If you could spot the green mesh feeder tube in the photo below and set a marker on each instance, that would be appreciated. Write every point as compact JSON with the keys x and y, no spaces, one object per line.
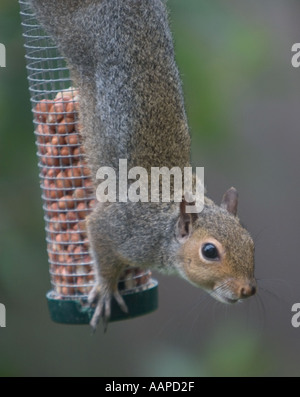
{"x":67,"y":189}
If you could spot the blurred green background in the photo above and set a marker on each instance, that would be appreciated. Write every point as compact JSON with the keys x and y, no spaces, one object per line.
{"x":243,"y":99}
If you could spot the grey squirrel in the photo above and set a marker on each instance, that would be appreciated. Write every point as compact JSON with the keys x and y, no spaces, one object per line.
{"x":121,"y":56}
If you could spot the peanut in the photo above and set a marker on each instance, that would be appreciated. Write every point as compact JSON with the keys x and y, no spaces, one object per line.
{"x":62,"y":182}
{"x":42,"y":109}
{"x":75,"y":174}
{"x":72,"y":139}
{"x":58,"y":140}
{"x":66,"y":202}
{"x":82,"y":210}
{"x":62,"y":238}
{"x":66,"y":126}
{"x":56,"y":114}
{"x":79,"y":194}
{"x":71,"y":217}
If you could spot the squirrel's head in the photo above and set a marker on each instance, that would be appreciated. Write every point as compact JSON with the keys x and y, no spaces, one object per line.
{"x":217,"y":252}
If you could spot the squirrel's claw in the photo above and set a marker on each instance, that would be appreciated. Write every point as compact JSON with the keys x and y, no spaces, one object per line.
{"x":96,"y":316}
{"x":102,"y":309}
{"x":118,"y":297}
{"x":103,"y":306}
{"x":94,"y":295}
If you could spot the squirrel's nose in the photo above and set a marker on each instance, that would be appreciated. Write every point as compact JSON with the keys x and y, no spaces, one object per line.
{"x":248,"y":290}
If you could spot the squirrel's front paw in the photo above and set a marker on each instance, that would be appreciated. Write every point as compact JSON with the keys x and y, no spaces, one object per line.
{"x":102,"y":299}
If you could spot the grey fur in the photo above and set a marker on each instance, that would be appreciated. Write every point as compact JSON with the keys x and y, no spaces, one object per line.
{"x":122,"y":60}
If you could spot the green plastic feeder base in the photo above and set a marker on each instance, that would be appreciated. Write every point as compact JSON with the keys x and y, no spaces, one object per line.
{"x":78,"y":312}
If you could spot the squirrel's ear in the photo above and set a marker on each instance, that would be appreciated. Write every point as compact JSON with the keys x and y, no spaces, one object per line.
{"x":184,"y":226}
{"x":230,"y":201}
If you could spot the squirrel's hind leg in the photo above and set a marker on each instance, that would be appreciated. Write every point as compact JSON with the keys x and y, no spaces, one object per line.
{"x":108,"y":269}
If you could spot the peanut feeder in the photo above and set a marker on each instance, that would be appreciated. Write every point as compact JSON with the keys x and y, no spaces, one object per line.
{"x":67,"y":191}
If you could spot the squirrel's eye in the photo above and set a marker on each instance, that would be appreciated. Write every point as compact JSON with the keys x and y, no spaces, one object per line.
{"x":210,"y":252}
